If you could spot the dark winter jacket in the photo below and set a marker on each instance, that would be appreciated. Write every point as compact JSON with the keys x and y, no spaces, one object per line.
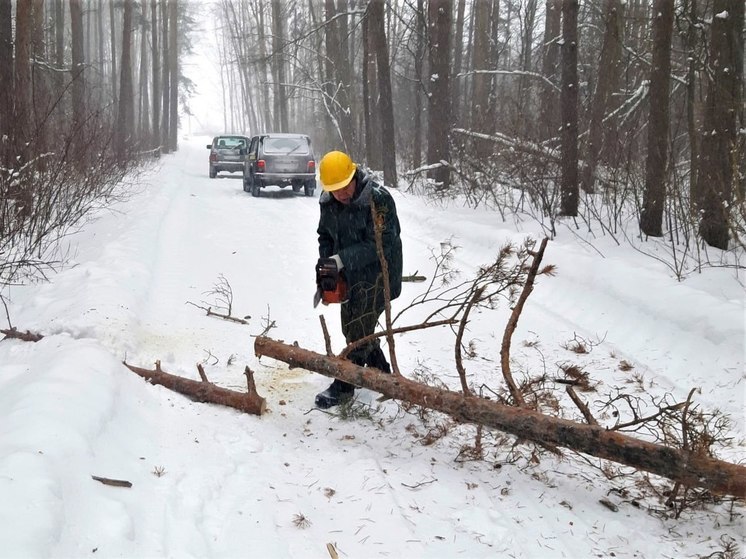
{"x":347,"y":230}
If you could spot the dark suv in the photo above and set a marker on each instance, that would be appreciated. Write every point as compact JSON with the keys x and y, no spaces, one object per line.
{"x":227,"y":153}
{"x":282,"y":160}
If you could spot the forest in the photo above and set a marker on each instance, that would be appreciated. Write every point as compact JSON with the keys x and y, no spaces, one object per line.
{"x":618,"y":118}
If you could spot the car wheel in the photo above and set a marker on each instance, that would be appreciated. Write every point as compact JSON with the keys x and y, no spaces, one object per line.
{"x":255,"y":188}
{"x":213,"y":172}
{"x":310,"y":187}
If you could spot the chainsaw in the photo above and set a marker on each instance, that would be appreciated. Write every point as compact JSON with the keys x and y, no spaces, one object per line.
{"x":331,"y":286}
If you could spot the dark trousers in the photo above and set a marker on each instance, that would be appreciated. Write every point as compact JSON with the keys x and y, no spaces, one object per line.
{"x":359,"y":319}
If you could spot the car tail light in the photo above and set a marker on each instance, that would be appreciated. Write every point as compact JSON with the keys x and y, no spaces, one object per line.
{"x":312,"y":166}
{"x":213,"y":156}
{"x":261,"y":165}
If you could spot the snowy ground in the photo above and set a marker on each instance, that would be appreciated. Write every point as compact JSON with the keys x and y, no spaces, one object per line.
{"x":288,"y":483}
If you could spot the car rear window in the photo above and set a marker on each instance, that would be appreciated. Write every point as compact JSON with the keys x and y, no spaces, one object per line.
{"x":228,"y":142}
{"x":286,"y":145}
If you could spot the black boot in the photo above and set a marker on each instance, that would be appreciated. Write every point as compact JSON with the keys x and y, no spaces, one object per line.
{"x":337,"y":393}
{"x":377,"y":359}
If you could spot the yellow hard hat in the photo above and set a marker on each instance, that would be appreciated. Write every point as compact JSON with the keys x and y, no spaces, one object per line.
{"x":336,"y":170}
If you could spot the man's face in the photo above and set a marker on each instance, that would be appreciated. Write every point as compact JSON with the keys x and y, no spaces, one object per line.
{"x":344,"y":195}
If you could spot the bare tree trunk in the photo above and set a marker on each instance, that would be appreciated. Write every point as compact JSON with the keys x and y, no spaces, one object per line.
{"x":59,"y":52}
{"x":78,"y":65}
{"x":278,"y":67}
{"x":569,"y":109}
{"x":690,"y":11}
{"x":439,"y":109}
{"x":420,"y":30}
{"x":386,"y":114}
{"x":99,"y":83}
{"x":687,"y":467}
{"x":114,"y":73}
{"x":166,"y":85}
{"x":457,"y":108}
{"x":372,"y":124}
{"x":651,"y":219}
{"x":144,"y":98}
{"x":40,"y":86}
{"x":482,"y":82}
{"x":156,"y":56}
{"x":22,"y":62}
{"x":263,"y":73}
{"x":527,"y":123}
{"x":552,"y":23}
{"x":126,"y":113}
{"x":173,"y":84}
{"x":6,"y":65}
{"x":608,"y":71}
{"x":336,"y":80}
{"x":719,"y":163}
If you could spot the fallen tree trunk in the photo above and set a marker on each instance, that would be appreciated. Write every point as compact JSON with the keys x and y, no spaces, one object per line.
{"x":679,"y":465}
{"x":205,"y":391}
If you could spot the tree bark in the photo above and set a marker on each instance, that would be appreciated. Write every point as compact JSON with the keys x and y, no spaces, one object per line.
{"x":608,"y":78}
{"x":719,"y":157}
{"x":126,"y":112}
{"x":419,"y":56}
{"x":173,"y":84}
{"x":552,"y":22}
{"x":156,"y":57}
{"x":480,"y":98}
{"x":377,"y":31}
{"x":679,"y":465}
{"x":372,"y":124}
{"x":569,"y":109}
{"x":6,"y":64}
{"x":204,"y":391}
{"x":439,"y":108}
{"x":78,"y":63}
{"x":651,"y":219}
{"x":165,"y":80}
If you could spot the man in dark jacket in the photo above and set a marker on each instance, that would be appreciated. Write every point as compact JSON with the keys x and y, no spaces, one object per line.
{"x":347,"y":235}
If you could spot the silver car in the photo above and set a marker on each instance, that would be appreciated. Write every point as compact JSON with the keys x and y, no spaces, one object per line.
{"x":227,"y":153}
{"x":282,"y":160}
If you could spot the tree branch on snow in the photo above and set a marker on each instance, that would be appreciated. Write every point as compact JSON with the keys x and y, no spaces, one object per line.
{"x":26,"y":336}
{"x":223,"y":293}
{"x":205,"y":391}
{"x":210,"y":312}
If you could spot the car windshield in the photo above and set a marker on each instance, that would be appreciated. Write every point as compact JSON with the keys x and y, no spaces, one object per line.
{"x":286,"y":145}
{"x":229,"y":142}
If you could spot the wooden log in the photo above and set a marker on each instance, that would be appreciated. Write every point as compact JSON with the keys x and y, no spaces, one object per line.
{"x":679,"y":465}
{"x":202,"y":391}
